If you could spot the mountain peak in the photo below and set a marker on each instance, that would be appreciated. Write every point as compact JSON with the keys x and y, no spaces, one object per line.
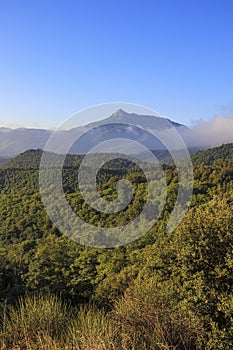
{"x":120,"y":113}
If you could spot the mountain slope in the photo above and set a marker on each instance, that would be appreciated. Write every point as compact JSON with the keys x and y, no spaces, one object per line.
{"x":15,"y":141}
{"x":209,"y":156}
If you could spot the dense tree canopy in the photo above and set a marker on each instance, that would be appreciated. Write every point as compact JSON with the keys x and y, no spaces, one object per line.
{"x":191,"y":269}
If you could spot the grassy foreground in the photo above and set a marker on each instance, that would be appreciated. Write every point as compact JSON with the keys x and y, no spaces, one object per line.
{"x":45,"y":322}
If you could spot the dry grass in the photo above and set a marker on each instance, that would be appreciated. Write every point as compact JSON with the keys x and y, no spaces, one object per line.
{"x":140,"y":321}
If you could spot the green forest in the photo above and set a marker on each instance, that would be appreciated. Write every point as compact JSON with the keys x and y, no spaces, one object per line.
{"x":169,"y":291}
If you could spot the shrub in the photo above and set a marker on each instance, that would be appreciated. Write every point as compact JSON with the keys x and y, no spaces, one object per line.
{"x":148,"y":318}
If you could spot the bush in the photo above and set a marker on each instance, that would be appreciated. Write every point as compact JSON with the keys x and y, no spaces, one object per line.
{"x":148,"y":318}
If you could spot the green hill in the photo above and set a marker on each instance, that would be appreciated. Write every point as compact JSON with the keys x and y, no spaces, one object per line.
{"x":161,"y":291}
{"x":207,"y":157}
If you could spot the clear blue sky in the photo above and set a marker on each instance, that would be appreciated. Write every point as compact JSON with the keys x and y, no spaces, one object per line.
{"x":57,"y":57}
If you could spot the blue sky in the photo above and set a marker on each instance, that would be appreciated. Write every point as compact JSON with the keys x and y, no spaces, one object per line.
{"x":58,"y":57}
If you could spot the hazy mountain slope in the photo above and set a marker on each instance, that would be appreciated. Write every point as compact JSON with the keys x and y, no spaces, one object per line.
{"x":4,"y":159}
{"x":15,"y":141}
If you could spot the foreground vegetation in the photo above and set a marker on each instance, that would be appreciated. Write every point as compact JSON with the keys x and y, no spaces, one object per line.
{"x":163,"y":291}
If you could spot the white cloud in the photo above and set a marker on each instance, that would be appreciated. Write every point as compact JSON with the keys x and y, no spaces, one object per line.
{"x":215,"y":132}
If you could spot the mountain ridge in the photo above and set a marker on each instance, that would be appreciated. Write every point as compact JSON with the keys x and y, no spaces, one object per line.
{"x":15,"y":141}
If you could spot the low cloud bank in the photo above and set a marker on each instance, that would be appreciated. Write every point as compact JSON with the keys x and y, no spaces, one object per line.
{"x":211,"y":133}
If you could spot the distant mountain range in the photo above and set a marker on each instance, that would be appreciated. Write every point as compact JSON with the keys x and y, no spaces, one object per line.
{"x":15,"y":141}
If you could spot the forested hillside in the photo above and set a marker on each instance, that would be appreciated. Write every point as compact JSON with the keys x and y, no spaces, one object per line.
{"x":162,"y":291}
{"x":209,"y":156}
